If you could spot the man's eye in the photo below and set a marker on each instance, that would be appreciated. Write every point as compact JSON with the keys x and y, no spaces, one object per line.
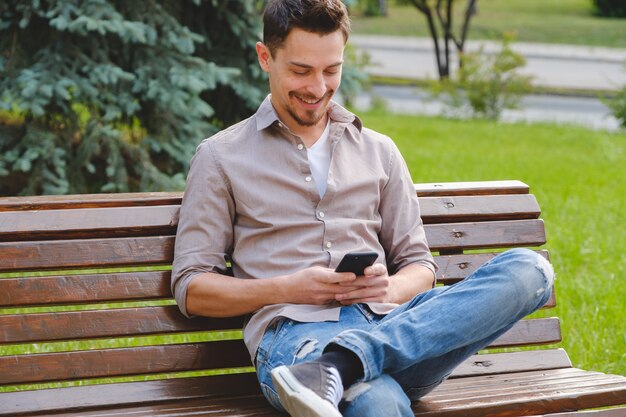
{"x":300,"y":72}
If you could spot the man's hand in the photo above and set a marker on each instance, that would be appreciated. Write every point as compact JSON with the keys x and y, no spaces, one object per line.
{"x":377,"y":286}
{"x":373,"y":286}
{"x":318,"y":285}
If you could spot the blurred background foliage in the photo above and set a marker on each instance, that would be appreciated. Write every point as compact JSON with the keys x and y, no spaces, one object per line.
{"x":113,"y":96}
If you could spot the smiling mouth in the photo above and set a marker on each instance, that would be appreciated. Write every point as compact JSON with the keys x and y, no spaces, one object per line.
{"x":309,"y":100}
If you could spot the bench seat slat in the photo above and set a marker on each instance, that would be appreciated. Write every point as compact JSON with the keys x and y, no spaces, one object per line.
{"x":472,"y":188}
{"x":19,"y":369}
{"x":46,"y":367}
{"x":478,"y":208}
{"x":485,"y":235}
{"x":511,"y":362}
{"x":128,"y":286}
{"x":129,"y":251}
{"x":613,"y":412}
{"x":28,"y":328}
{"x":174,"y":198}
{"x":155,"y":250}
{"x":195,"y":396}
{"x":81,"y":289}
{"x":163,"y":219}
{"x":496,"y":386}
{"x":80,"y":398}
{"x":528,"y":398}
{"x":60,"y":202}
{"x":89,"y":223}
{"x":453,"y":268}
{"x":138,"y":393}
{"x":125,"y":322}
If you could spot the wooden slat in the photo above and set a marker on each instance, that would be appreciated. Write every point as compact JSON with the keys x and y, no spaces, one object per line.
{"x":531,"y":332}
{"x":139,"y":393}
{"x":45,"y":367}
{"x":174,"y":198}
{"x":450,"y":209}
{"x":150,"y":285}
{"x":485,"y":235}
{"x":510,"y":362}
{"x":613,"y":412}
{"x":516,"y":397}
{"x":76,"y":399}
{"x":86,"y":253}
{"x":499,"y":384}
{"x":471,"y":188}
{"x":27,"y":328}
{"x":163,"y":219}
{"x":249,"y":406}
{"x":81,"y":289}
{"x":81,"y":253}
{"x":90,"y":200}
{"x":88,"y":223}
{"x":504,"y":396}
{"x":453,"y":268}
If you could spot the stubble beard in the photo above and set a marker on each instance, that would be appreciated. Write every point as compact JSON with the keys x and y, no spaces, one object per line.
{"x":311,"y":118}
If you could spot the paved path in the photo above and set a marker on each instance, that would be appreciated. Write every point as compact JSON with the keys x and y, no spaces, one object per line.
{"x":562,"y":66}
{"x":584,"y":111}
{"x":556,"y":66}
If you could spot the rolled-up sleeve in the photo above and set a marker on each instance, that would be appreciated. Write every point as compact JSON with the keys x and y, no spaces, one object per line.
{"x":205,"y":232}
{"x":402,"y":232}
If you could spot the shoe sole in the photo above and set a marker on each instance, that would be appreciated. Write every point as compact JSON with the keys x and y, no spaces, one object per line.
{"x":298,"y":400}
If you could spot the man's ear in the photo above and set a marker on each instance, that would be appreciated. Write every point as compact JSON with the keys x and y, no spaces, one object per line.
{"x":264,"y":56}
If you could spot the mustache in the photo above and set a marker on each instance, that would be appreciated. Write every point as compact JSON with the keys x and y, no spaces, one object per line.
{"x":310,"y":97}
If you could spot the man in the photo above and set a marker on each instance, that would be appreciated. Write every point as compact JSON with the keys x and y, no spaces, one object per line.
{"x":283,"y":196}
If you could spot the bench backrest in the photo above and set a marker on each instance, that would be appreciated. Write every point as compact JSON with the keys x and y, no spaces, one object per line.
{"x":85,"y":287}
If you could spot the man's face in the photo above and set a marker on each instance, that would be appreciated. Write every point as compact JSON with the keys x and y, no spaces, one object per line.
{"x":304,"y":75}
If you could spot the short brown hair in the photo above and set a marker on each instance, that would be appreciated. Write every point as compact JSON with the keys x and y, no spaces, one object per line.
{"x":317,"y":16}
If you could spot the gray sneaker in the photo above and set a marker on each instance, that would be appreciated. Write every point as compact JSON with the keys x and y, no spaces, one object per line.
{"x":309,"y":389}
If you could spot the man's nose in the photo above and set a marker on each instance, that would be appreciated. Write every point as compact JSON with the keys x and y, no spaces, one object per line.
{"x":317,"y":86}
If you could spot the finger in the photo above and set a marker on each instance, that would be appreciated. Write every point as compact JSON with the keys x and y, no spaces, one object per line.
{"x":376,"y":269}
{"x":360,"y":294}
{"x":340,"y":277}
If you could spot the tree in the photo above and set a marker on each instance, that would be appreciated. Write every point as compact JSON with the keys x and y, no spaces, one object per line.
{"x":440,"y":20}
{"x":108,"y":95}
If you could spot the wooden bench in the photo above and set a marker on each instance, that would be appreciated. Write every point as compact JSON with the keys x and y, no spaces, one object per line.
{"x":85,"y":299}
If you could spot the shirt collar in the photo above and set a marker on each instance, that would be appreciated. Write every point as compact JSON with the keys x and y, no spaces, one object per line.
{"x":266,"y":115}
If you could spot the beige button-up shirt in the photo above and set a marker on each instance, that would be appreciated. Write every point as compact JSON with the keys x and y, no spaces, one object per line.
{"x":251,"y":199}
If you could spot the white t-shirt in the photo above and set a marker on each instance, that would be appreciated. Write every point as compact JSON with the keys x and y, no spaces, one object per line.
{"x":319,"y":159}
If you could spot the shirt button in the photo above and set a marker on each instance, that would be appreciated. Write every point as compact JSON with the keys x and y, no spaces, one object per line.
{"x":308,"y":179}
{"x":300,"y":146}
{"x":329,"y":245}
{"x":322,"y":214}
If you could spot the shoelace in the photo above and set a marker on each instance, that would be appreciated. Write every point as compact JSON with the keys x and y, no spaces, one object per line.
{"x":334,"y":387}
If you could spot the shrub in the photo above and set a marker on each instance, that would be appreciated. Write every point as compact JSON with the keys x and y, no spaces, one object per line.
{"x":617,"y":105}
{"x":487,"y":84}
{"x":610,"y":8}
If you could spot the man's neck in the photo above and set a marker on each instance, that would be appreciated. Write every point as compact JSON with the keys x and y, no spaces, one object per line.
{"x":308,"y":134}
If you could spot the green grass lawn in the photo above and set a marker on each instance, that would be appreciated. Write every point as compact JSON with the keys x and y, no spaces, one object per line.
{"x":545,"y":21}
{"x":579,"y":179}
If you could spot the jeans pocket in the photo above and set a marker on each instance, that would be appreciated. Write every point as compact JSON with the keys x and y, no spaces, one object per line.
{"x":271,"y":396}
{"x":268,"y":339}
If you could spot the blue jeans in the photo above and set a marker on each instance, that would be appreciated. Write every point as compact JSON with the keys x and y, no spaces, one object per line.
{"x":412,"y":350}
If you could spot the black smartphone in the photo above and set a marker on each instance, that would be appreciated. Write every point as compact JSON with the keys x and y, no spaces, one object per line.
{"x":356,"y":262}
